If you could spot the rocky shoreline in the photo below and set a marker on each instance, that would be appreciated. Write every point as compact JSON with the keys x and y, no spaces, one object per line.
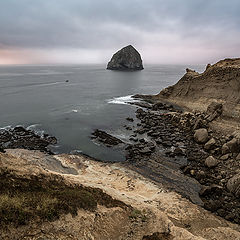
{"x":166,"y":143}
{"x":188,"y":143}
{"x":166,"y":139}
{"x":176,"y":150}
{"x":20,"y":137}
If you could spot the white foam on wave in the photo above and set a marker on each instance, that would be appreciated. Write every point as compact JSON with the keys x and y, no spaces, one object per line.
{"x":6,"y":127}
{"x":36,"y":129}
{"x":123,"y":100}
{"x":75,"y":110}
{"x":33,"y":126}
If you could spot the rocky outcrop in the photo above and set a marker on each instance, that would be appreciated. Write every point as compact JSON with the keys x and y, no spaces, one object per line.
{"x":20,"y":137}
{"x":105,"y":138}
{"x":219,"y":83}
{"x":126,"y":59}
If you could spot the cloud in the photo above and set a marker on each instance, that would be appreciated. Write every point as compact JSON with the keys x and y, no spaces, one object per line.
{"x":167,"y":28}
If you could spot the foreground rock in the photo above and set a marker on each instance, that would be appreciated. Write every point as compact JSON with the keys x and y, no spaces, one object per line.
{"x":126,"y":59}
{"x":201,"y":135}
{"x":120,"y":203}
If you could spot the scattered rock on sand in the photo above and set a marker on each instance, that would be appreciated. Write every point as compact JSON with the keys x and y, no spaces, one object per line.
{"x":211,"y":162}
{"x":201,"y":135}
{"x":233,"y":185}
{"x":233,"y":145}
{"x":210,"y":144}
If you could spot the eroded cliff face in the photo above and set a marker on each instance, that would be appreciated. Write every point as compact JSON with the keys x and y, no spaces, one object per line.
{"x":126,"y":59}
{"x":219,"y":82}
{"x":128,"y":205}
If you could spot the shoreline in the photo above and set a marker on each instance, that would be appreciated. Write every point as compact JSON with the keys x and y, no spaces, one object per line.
{"x":159,"y":164}
{"x":166,"y":163}
{"x":161,"y":149}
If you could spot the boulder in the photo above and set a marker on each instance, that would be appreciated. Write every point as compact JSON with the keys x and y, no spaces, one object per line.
{"x":211,"y":162}
{"x":128,"y":58}
{"x":210,"y":144}
{"x":233,"y":185}
{"x":214,"y":110}
{"x":225,"y":149}
{"x":201,"y":135}
{"x":231,"y":146}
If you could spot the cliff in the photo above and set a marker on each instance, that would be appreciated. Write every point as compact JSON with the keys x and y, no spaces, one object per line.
{"x":219,"y":82}
{"x":126,"y":59}
{"x":74,"y":196}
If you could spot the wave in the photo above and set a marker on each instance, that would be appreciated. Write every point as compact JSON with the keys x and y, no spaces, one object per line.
{"x":123,"y":100}
{"x":6,"y":127}
{"x":33,"y":126}
{"x":36,"y":129}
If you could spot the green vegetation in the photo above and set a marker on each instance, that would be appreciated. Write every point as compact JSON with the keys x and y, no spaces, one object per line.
{"x":137,"y":214}
{"x":45,"y":198}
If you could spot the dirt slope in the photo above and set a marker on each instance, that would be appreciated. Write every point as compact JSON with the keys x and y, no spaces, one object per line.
{"x":154,"y":213}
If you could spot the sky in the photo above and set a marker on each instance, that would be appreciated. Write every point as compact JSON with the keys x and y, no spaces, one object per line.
{"x":90,"y":31}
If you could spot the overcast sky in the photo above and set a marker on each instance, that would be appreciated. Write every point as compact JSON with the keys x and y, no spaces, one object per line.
{"x":89,"y":31}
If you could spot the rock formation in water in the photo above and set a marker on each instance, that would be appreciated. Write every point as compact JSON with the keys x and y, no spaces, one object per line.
{"x":128,"y":58}
{"x":219,"y":82}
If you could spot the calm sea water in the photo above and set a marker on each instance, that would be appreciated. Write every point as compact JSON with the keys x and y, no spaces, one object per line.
{"x":40,"y":98}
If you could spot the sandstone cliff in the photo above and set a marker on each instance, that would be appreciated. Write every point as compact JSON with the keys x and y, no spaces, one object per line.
{"x":219,"y":82}
{"x":126,"y":59}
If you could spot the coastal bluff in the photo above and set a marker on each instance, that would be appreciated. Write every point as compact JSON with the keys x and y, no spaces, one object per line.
{"x":95,"y":201}
{"x":218,"y":83}
{"x":126,"y":59}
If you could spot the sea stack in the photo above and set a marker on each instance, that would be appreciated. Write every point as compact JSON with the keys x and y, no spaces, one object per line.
{"x":126,"y":59}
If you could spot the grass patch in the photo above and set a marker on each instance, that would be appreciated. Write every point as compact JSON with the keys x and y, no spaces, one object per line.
{"x":137,"y":214}
{"x":45,"y":198}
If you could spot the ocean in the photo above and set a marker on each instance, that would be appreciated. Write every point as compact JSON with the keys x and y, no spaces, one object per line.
{"x":70,"y":101}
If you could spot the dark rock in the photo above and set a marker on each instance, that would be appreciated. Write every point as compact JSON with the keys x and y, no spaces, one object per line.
{"x":233,"y":145}
{"x":211,"y":162}
{"x":214,"y":110}
{"x":178,"y":151}
{"x":19,"y":137}
{"x":129,"y":119}
{"x":208,"y":66}
{"x":206,"y":190}
{"x":210,"y":144}
{"x":106,"y":138}
{"x":201,"y":135}
{"x":233,"y":185}
{"x":128,"y":58}
{"x":146,"y":151}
